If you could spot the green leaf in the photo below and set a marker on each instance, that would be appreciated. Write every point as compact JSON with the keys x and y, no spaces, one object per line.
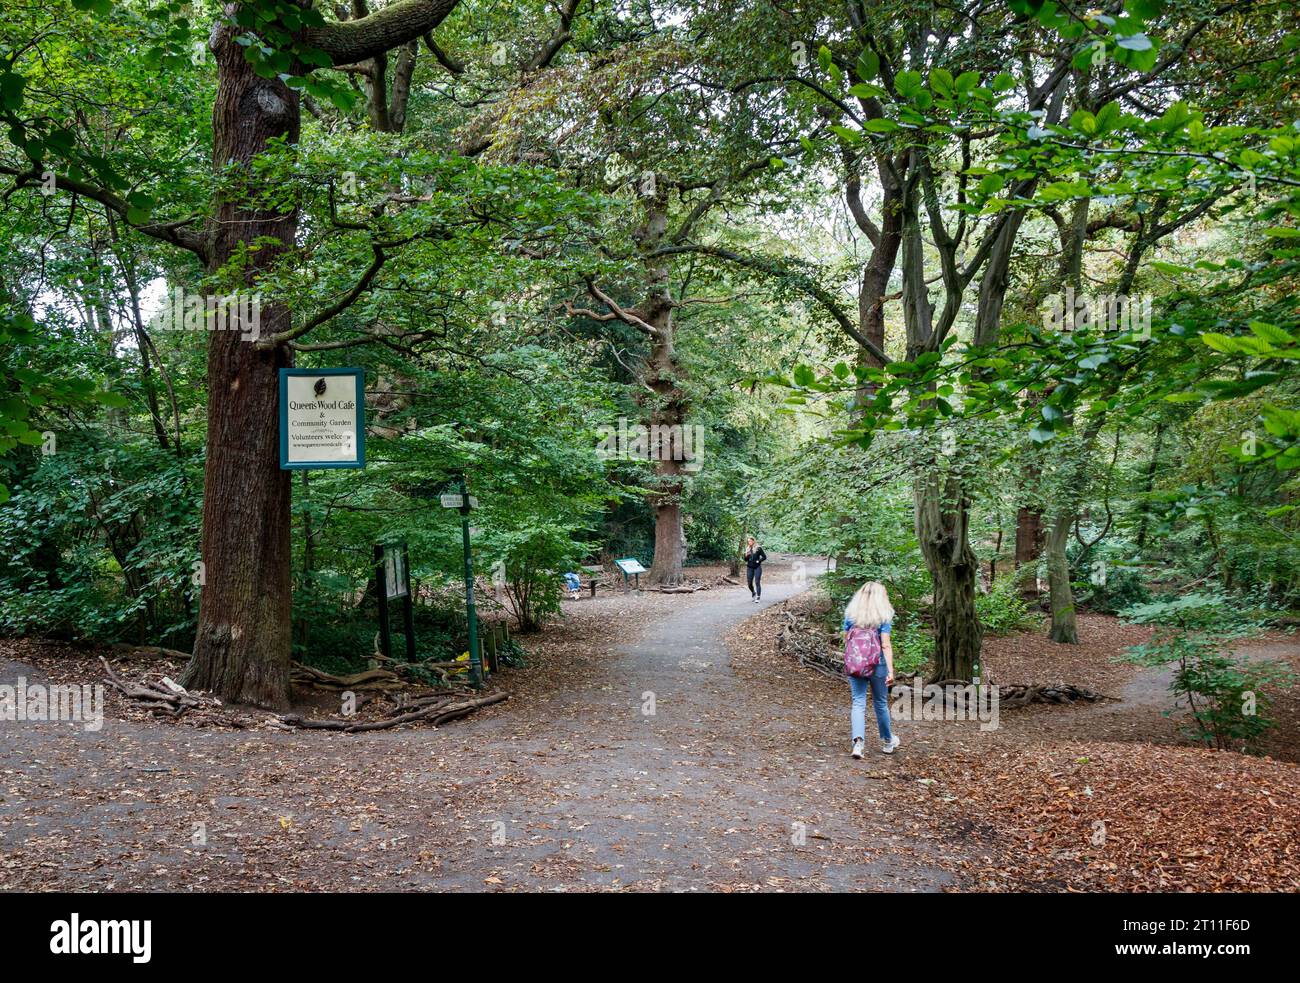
{"x":864,"y":90}
{"x":908,"y":83}
{"x":1220,"y":342}
{"x":1135,"y":42}
{"x":1271,"y":333}
{"x":11,"y":91}
{"x":868,"y":65}
{"x":1040,"y":435}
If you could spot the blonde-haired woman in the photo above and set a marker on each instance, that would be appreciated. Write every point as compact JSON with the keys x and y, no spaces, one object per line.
{"x":869,"y":609}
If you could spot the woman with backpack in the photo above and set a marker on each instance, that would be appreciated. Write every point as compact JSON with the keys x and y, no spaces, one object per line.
{"x":869,"y":663}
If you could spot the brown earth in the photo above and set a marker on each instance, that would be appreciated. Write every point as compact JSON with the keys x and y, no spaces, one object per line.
{"x":638,"y":753}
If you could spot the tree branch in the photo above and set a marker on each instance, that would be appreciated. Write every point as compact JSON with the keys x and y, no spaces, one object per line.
{"x":803,"y":281}
{"x":175,"y":233}
{"x":351,"y":41}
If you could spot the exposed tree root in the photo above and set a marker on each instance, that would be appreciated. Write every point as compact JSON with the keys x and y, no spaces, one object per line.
{"x":156,"y":695}
{"x":436,"y":711}
{"x":813,"y":649}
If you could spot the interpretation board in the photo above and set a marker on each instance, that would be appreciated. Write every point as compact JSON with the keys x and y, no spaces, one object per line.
{"x":322,"y":418}
{"x":395,"y":572}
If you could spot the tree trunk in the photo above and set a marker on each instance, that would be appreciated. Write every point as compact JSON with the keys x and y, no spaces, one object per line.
{"x":1064,"y":626}
{"x":1148,"y":483}
{"x":667,"y":424}
{"x":670,"y":544}
{"x":941,"y":510}
{"x":1029,"y":535}
{"x":942,"y":514}
{"x":667,"y":409}
{"x":1029,"y":546}
{"x":242,"y":647}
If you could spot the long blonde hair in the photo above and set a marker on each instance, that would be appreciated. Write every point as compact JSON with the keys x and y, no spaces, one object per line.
{"x":869,"y":607}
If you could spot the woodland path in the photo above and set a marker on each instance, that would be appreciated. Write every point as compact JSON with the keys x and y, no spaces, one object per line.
{"x":571,"y":787}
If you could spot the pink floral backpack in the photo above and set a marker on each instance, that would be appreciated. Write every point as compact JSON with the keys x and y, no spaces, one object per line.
{"x":862,"y":652}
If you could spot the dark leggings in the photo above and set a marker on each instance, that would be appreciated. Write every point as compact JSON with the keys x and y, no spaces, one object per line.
{"x":754,"y":580}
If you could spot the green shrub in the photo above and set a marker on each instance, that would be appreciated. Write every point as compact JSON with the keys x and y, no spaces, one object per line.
{"x":913,"y":646}
{"x":1002,"y":610}
{"x":1224,"y":694}
{"x":530,"y":564}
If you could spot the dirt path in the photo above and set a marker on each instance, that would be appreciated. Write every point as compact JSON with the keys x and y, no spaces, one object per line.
{"x":570,"y":786}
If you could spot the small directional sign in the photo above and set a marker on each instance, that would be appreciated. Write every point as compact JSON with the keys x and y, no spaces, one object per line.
{"x":457,"y":501}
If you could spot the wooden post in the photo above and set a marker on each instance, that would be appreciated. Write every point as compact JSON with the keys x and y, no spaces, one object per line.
{"x":487,"y":640}
{"x":408,"y":606}
{"x":381,"y":593}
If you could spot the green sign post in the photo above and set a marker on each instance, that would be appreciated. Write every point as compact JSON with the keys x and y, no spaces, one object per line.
{"x":464,"y":502}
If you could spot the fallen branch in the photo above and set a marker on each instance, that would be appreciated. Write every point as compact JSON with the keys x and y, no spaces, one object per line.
{"x":151,"y":652}
{"x":436,"y":713}
{"x":370,"y":679}
{"x":176,"y":700}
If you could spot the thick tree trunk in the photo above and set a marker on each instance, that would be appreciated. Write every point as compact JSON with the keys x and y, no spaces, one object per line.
{"x":667,"y":425}
{"x":941,"y":509}
{"x":242,"y":648}
{"x":670,"y":543}
{"x":1029,"y":535}
{"x":667,"y":402}
{"x":1029,"y":546}
{"x":942,"y":514}
{"x":1064,"y":626}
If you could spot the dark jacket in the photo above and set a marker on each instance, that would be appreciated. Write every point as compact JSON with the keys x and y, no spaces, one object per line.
{"x":755,"y":558}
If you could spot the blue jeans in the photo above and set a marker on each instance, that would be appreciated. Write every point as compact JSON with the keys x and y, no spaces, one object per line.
{"x":879,"y":702}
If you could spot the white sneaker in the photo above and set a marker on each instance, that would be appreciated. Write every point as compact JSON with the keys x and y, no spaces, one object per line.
{"x":857,"y":747}
{"x":890,"y":746}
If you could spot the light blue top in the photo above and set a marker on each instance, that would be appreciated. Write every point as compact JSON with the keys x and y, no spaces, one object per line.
{"x":884,"y":629}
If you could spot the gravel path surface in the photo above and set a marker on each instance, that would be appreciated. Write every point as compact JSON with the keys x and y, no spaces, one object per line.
{"x":643,"y":763}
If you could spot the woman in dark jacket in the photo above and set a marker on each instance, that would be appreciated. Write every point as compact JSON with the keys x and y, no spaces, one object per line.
{"x":754,"y":558}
